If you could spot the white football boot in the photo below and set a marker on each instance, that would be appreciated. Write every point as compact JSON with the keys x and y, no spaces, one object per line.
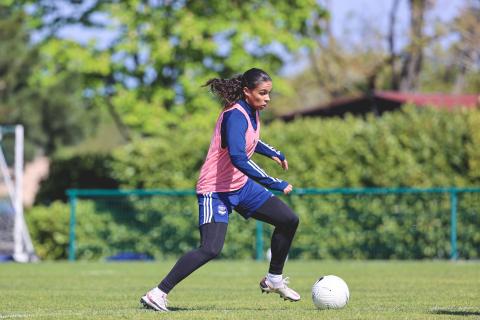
{"x":282,"y":289}
{"x":155,"y":299}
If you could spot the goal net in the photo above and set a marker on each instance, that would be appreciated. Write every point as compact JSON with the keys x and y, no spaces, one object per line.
{"x":15,"y":242}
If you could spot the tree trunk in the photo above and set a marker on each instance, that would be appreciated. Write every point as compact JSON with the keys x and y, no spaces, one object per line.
{"x":391,"y":45}
{"x":414,"y":55}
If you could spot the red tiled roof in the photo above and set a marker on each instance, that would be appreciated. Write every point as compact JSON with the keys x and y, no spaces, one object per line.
{"x":386,"y":101}
{"x":440,"y":100}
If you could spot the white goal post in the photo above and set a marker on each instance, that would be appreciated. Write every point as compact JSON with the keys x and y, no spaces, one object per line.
{"x":15,"y":239}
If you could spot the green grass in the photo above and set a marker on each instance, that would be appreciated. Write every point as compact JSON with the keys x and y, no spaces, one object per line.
{"x":229,"y":290}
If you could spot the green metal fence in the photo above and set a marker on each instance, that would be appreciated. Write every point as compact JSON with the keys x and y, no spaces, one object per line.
{"x":427,"y":218}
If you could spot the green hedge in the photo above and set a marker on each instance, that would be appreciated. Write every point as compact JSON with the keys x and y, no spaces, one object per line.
{"x":49,"y":228}
{"x":414,"y":147}
{"x":381,"y":226}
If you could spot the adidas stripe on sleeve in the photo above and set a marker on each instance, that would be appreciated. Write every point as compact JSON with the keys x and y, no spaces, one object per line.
{"x":268,"y":151}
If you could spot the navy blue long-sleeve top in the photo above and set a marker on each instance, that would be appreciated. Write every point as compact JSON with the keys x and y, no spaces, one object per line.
{"x":234,"y":127}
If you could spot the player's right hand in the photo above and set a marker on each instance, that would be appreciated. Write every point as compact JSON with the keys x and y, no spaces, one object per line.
{"x":288,"y":189}
{"x":283,"y":164}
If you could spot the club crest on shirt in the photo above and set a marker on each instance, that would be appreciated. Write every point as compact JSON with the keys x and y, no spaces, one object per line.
{"x":222,"y":210}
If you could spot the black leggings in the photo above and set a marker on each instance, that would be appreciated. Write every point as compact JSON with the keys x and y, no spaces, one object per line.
{"x":273,"y":211}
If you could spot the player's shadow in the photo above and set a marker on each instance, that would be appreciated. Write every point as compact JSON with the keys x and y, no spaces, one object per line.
{"x":456,"y":312}
{"x":169,"y":308}
{"x":209,"y":308}
{"x":179,"y":309}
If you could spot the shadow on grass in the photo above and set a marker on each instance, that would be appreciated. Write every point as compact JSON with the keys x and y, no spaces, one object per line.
{"x":456,"y":312}
{"x":206,"y":309}
{"x":218,"y":309}
{"x":179,"y":309}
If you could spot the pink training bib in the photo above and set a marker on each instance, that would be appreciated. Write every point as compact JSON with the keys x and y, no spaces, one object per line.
{"x":218,"y":174}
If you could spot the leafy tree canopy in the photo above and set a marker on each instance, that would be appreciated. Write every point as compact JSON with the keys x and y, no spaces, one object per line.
{"x":50,"y":107}
{"x":149,"y":76}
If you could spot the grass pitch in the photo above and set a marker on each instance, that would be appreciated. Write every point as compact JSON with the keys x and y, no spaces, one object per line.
{"x":229,"y":290}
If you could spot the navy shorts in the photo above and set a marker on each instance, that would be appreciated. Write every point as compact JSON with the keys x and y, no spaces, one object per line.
{"x":217,"y":206}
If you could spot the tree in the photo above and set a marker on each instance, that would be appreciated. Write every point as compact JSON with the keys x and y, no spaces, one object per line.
{"x":336,"y":68}
{"x":453,"y":65}
{"x":50,"y":111}
{"x":466,"y":49}
{"x":412,"y":64}
{"x":163,"y":51}
{"x":342,"y":67}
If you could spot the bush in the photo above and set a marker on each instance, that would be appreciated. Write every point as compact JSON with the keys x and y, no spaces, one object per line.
{"x":49,"y":226}
{"x":413,"y":147}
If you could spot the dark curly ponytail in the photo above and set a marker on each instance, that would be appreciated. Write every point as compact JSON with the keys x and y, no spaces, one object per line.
{"x":231,"y":90}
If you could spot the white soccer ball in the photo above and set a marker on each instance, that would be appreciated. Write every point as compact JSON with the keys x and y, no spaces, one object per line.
{"x":330,"y":292}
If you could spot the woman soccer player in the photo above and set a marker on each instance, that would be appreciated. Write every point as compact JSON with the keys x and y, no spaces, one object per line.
{"x":230,"y":180}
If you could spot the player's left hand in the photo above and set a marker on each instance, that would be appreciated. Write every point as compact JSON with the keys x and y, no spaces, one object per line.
{"x":283,"y":164}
